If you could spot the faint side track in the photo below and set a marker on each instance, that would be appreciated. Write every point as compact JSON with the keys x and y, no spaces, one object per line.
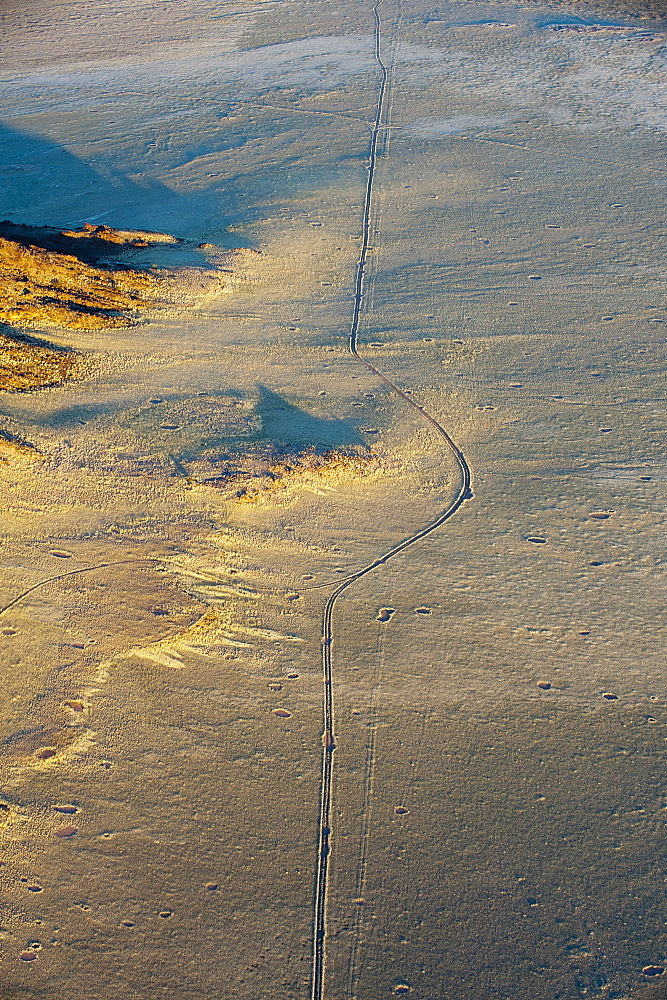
{"x":71,"y":572}
{"x":366,"y":816}
{"x":463,"y":493}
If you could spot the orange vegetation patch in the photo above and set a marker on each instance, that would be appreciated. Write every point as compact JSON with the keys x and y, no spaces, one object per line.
{"x":28,"y":363}
{"x":258,"y":479}
{"x":63,"y":287}
{"x":68,"y":279}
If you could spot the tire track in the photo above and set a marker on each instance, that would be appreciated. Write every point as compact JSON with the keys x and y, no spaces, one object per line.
{"x":366,"y":816}
{"x":463,"y":493}
{"x":71,"y":572}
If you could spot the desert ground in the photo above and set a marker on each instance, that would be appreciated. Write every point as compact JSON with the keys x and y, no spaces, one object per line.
{"x":200,"y":482}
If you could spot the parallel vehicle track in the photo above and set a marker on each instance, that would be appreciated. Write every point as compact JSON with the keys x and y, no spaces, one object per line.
{"x":463,"y":493}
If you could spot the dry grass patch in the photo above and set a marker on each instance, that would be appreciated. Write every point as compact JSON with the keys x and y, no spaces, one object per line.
{"x":274,"y":479}
{"x":28,"y":363}
{"x":50,"y":277}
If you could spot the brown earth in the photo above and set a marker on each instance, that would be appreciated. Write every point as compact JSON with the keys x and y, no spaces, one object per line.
{"x":66,"y":279}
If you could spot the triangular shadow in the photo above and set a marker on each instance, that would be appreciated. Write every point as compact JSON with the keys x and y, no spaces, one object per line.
{"x":289,"y":428}
{"x":37,"y":173}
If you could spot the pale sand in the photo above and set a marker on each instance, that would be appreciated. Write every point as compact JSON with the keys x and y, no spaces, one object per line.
{"x":498,"y":788}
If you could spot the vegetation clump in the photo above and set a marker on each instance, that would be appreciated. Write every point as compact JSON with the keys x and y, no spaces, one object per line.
{"x":70,"y":279}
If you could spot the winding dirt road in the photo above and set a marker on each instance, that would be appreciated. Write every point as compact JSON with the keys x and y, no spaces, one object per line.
{"x":464,"y":493}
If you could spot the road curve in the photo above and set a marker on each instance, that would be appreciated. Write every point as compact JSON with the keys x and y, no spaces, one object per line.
{"x":463,"y":493}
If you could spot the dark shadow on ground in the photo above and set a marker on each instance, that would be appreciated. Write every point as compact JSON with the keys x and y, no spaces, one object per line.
{"x":287,"y":427}
{"x":90,"y":249}
{"x":42,"y":183}
{"x":273,"y":426}
{"x":35,"y":172}
{"x":71,"y":415}
{"x":28,"y":340}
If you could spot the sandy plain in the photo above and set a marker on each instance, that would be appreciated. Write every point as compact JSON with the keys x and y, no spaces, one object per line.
{"x":499,"y":786}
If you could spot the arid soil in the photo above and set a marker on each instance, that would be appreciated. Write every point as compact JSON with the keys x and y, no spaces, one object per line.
{"x":76,"y":279}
